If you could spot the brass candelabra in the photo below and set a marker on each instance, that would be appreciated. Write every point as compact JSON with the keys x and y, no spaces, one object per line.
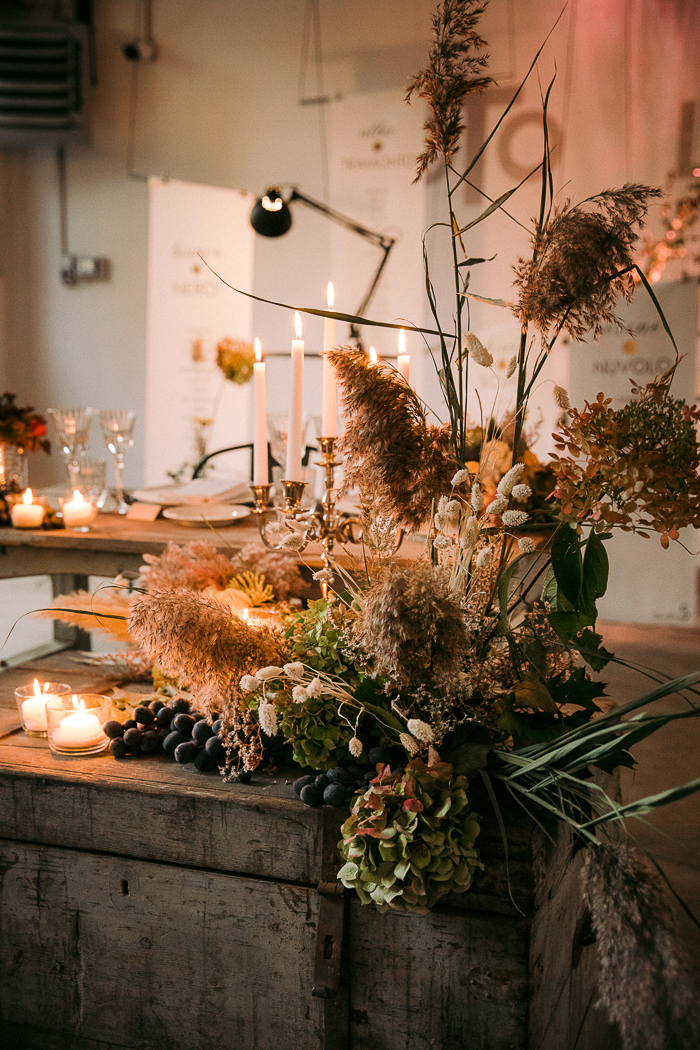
{"x":324,"y":524}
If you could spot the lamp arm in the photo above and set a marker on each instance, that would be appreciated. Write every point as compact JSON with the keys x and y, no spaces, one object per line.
{"x":377,"y":238}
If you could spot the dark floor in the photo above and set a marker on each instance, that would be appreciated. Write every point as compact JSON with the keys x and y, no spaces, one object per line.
{"x":667,"y":759}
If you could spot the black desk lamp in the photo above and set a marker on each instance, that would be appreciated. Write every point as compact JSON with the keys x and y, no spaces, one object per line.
{"x":271,"y":216}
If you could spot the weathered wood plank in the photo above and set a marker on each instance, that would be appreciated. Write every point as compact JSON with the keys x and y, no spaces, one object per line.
{"x":155,"y":957}
{"x":448,"y":980}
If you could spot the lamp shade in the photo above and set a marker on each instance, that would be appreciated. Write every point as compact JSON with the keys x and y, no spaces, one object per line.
{"x":271,"y":216}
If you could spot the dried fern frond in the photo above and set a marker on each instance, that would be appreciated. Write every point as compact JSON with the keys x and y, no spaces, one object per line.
{"x":454,"y":70}
{"x":397,"y":460}
{"x":570,"y":280}
{"x":198,"y":641}
{"x":90,"y":611}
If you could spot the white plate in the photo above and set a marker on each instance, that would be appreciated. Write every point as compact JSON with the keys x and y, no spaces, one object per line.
{"x":207,"y":513}
{"x":194,"y":493}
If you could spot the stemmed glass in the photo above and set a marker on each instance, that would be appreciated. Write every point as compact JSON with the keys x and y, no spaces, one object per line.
{"x":73,"y":430}
{"x":117,"y":431}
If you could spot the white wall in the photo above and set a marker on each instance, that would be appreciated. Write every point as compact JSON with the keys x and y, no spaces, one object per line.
{"x":220,"y":106}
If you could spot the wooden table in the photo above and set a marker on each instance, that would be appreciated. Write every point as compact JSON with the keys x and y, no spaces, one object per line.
{"x":145,"y":905}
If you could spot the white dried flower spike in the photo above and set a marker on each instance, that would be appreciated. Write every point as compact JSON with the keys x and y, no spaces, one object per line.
{"x":477,"y":497}
{"x":263,"y":674}
{"x":561,"y":398}
{"x":514,"y":518}
{"x":299,"y":694}
{"x":477,"y":351}
{"x":527,"y":546}
{"x":420,"y":730}
{"x":509,"y":479}
{"x":323,"y":575}
{"x":498,"y":505}
{"x":409,"y":742}
{"x":483,"y":558}
{"x":470,"y":533}
{"x":249,"y":684}
{"x":355,"y":747}
{"x":315,"y":688}
{"x":452,"y":509}
{"x":521,"y":492}
{"x":460,"y":478}
{"x":267,"y":717}
{"x":298,"y":526}
{"x":512,"y":365}
{"x":293,"y":542}
{"x":294,"y":671}
{"x":441,"y":542}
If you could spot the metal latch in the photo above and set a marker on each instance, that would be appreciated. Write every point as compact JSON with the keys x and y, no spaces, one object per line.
{"x":329,"y":939}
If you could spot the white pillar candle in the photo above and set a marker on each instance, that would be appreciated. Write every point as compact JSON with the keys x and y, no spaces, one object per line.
{"x":78,"y":511}
{"x":79,"y":729}
{"x":260,"y":470}
{"x":329,"y":426}
{"x":27,"y":514}
{"x":403,"y":361}
{"x":293,"y":470}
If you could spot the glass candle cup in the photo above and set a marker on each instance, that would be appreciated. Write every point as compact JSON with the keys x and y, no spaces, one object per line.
{"x":79,"y":511}
{"x":31,"y":704}
{"x":74,"y":723}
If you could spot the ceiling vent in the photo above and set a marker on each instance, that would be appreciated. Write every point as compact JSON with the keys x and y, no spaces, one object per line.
{"x":43,"y":83}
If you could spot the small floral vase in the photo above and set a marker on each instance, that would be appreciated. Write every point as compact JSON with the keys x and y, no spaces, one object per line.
{"x":14,"y":467}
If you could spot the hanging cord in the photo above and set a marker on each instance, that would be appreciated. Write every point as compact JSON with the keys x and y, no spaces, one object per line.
{"x":312,"y":27}
{"x":627,"y":90}
{"x":62,"y":198}
{"x":568,"y":82}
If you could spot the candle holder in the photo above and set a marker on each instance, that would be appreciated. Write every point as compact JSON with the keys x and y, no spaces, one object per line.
{"x":31,"y":704}
{"x":324,"y":524}
{"x":74,"y":723}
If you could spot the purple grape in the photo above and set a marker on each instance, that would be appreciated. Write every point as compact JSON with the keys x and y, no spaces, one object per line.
{"x":144,"y":716}
{"x":339,"y":775}
{"x":215,"y":748}
{"x":322,"y":781}
{"x":184,"y":724}
{"x":118,"y":747}
{"x":150,"y":742}
{"x":172,"y":741}
{"x":132,"y":738}
{"x":113,"y":729}
{"x":335,"y":795}
{"x":201,"y":732}
{"x":216,"y":726}
{"x":164,"y":718}
{"x":130,"y":723}
{"x":180,"y":705}
{"x":302,"y":782}
{"x":156,"y":706}
{"x":187,"y":751}
{"x":204,"y":761}
{"x":312,"y":794}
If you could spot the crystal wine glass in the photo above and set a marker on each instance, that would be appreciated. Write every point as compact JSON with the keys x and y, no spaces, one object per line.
{"x":73,"y":430}
{"x":118,"y":433}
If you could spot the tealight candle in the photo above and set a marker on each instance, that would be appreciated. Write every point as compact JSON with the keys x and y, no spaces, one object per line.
{"x":78,"y":512}
{"x":373,"y":356}
{"x":75,"y":723}
{"x":31,"y":704}
{"x":27,"y":514}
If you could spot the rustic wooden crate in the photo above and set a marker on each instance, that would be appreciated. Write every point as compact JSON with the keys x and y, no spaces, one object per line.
{"x":149,"y":907}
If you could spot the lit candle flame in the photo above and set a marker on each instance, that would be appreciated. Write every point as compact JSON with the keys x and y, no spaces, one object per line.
{"x":258,"y":349}
{"x":372,"y":356}
{"x":297,"y":324}
{"x":402,"y":341}
{"x":27,"y":496}
{"x":37,"y":688}
{"x":77,"y":496}
{"x":330,"y":297}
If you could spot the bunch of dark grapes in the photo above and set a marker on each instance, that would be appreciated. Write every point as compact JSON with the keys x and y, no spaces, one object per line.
{"x":172,"y":727}
{"x":337,"y":786}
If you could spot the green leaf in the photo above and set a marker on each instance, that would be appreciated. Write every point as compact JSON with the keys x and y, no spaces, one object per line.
{"x":567,"y":564}
{"x":530,"y":692}
{"x":595,"y":567}
{"x":589,"y":645}
{"x":491,"y":302}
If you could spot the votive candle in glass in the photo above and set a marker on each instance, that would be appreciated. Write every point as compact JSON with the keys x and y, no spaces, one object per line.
{"x":75,"y":723}
{"x":31,"y":704}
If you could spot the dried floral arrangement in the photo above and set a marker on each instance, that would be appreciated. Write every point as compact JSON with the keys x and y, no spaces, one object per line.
{"x":235,"y":359}
{"x":475,"y":661}
{"x":22,"y":426}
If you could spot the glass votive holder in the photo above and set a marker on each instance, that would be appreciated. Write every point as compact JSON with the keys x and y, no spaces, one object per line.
{"x":75,"y":722}
{"x":79,"y":511}
{"x":31,"y":704}
{"x":261,"y":617}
